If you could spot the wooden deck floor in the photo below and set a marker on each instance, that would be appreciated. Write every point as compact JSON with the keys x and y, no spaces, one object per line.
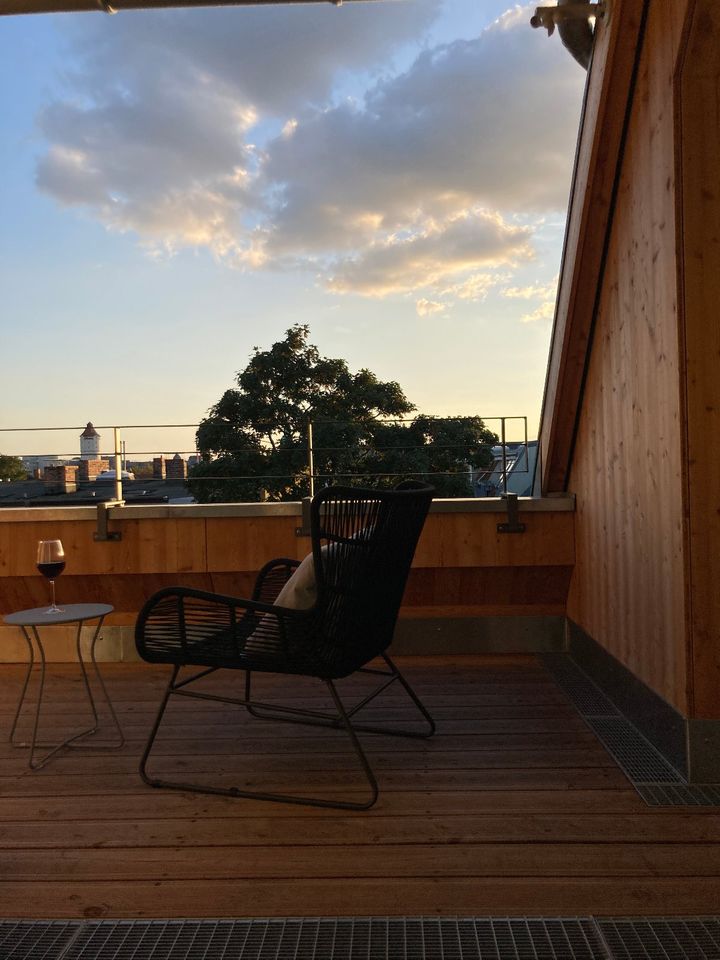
{"x":513,"y":808}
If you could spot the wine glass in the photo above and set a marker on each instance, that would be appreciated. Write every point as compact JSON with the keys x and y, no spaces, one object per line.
{"x":51,"y":563}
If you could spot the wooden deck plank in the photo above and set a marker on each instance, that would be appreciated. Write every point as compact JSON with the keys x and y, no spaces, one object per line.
{"x":513,"y":808}
{"x":169,"y":805}
{"x":475,"y":861}
{"x":359,"y":897}
{"x":305,"y":831}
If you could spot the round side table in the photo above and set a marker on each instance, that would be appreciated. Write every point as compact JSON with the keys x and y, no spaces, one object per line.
{"x":30,"y":622}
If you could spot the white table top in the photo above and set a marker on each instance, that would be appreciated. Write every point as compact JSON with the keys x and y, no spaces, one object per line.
{"x":71,"y":613}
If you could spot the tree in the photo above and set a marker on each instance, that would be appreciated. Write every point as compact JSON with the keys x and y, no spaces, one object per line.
{"x":254,"y":442}
{"x":11,"y":468}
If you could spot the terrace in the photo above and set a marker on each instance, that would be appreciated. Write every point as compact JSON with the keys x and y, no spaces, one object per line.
{"x":515,"y":807}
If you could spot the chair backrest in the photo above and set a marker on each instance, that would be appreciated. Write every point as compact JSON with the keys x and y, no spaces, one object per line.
{"x":369,"y":539}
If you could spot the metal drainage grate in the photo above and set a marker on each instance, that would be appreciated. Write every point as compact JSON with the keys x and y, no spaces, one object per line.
{"x":578,"y":687}
{"x":342,"y":939}
{"x":679,"y":794}
{"x":637,"y":757}
{"x":656,"y":780}
{"x":675,"y":938}
{"x":36,"y":940}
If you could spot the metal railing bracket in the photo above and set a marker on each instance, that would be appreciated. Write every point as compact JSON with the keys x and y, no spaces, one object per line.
{"x":304,"y":529}
{"x":102,"y":534}
{"x":512,"y":525}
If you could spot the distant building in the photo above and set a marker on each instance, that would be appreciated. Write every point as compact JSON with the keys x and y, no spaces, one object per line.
{"x":60,"y":479}
{"x":36,"y":464}
{"x":175,"y":469}
{"x":89,"y":443}
{"x":514,"y":472}
{"x":91,"y":470}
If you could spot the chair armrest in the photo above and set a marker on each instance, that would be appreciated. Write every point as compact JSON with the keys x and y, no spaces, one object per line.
{"x":183,"y":625}
{"x":272,"y":578}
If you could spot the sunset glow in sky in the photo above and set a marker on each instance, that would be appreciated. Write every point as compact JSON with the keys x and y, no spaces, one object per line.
{"x":181,"y":186}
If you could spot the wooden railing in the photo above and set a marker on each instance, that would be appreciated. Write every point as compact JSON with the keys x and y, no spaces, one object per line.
{"x":463,"y":567}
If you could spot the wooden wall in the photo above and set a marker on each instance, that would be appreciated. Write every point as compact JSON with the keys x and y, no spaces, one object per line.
{"x":699,"y":154}
{"x":628,"y":588}
{"x":462,"y":568}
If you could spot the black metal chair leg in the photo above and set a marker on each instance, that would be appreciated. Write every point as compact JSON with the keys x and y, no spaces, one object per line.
{"x":156,"y":726}
{"x":252,"y":794}
{"x":264,"y":713}
{"x":413,"y":696}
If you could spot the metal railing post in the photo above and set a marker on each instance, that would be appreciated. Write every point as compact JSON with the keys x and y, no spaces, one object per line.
{"x":504,"y":453}
{"x":118,"y":464}
{"x":311,"y":463}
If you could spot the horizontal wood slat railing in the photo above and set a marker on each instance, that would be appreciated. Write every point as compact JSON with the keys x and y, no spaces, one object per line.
{"x":463,"y":567}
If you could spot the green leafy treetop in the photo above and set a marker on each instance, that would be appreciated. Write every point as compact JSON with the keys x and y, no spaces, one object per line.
{"x":11,"y":468}
{"x":253,"y":443}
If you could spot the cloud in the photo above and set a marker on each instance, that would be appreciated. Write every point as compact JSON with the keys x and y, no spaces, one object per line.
{"x":222,"y":129}
{"x":427,"y":308}
{"x":431,"y":257}
{"x":546,"y":311}
{"x":544,"y":291}
{"x":488,"y":122}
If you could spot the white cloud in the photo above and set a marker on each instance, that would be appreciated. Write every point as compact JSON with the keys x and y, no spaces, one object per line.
{"x":544,"y":291}
{"x":546,"y":311}
{"x":432,"y":257}
{"x":428,"y":308}
{"x":218,"y":129}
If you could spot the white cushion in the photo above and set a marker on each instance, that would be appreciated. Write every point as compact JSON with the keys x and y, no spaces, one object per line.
{"x":300,"y":591}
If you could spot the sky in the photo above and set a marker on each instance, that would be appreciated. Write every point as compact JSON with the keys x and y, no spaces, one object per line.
{"x":181,"y":186}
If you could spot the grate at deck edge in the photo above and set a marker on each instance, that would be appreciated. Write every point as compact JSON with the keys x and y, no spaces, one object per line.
{"x":36,"y":939}
{"x":366,"y":938}
{"x":656,"y":781}
{"x":661,"y":938}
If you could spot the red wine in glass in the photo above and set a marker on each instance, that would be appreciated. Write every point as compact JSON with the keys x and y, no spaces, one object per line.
{"x":51,"y":563}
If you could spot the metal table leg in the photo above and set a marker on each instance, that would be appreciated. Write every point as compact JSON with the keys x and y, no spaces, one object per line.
{"x":36,"y":764}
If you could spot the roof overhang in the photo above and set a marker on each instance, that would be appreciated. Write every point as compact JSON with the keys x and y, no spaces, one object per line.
{"x":598,"y":162}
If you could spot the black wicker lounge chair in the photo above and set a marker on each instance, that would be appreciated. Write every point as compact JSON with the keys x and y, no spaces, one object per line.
{"x":363,"y":543}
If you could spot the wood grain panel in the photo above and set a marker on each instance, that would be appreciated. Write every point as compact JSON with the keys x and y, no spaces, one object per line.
{"x":627,"y":591}
{"x":471,"y":539}
{"x":462,"y":568}
{"x":699,"y":107}
{"x":147,"y":546}
{"x":246,"y":543}
{"x":466,"y":586}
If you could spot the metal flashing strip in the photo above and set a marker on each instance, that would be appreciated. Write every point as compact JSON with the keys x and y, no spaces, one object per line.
{"x":654,"y":778}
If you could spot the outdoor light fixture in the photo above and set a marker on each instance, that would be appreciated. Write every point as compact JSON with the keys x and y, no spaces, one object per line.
{"x":571,"y":17}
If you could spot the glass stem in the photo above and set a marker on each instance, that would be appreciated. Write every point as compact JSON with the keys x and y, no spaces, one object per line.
{"x":52,"y":584}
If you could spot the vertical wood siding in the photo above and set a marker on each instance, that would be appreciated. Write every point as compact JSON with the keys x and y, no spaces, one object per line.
{"x":699,"y":111}
{"x":627,"y":590}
